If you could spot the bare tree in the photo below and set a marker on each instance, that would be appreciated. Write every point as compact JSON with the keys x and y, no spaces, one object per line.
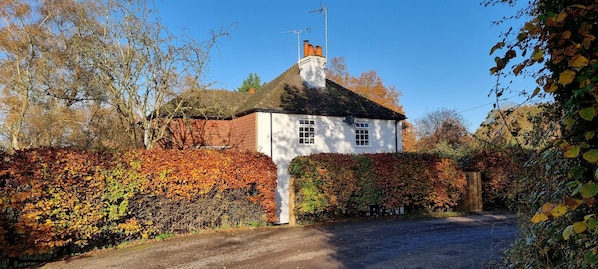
{"x":22,"y":61}
{"x":87,"y":72}
{"x":443,"y":127}
{"x":142,"y":68}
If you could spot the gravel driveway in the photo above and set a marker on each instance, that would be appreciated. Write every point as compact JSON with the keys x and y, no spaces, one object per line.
{"x":458,"y":242}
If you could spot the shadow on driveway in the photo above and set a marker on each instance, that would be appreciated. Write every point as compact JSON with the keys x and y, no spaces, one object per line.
{"x":476,"y":241}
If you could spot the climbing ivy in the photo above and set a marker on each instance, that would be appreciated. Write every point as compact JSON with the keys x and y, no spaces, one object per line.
{"x":558,"y":44}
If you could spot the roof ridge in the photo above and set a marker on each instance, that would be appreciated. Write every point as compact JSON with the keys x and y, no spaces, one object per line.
{"x":265,"y":92}
{"x":364,"y":97}
{"x":288,"y":93}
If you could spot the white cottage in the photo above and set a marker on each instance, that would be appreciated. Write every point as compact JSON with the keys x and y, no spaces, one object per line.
{"x":298,"y":113}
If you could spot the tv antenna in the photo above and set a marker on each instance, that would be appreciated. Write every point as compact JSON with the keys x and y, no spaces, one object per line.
{"x":324,"y":10}
{"x":298,"y":33}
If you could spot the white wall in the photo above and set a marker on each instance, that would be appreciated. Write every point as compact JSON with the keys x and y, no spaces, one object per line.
{"x":332,"y":136}
{"x":313,"y":71}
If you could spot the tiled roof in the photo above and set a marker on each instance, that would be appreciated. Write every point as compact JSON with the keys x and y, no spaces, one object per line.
{"x":286,"y":94}
{"x":207,"y":103}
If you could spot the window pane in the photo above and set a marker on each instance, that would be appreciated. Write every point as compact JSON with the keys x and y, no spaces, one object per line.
{"x":307,"y":131}
{"x":362,"y":137}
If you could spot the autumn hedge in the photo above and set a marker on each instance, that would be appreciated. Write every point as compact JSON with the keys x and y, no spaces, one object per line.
{"x":55,"y":201}
{"x":327,"y":185}
{"x":502,"y":171}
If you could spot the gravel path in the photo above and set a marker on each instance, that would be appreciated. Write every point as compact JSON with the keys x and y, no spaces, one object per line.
{"x":458,"y":242}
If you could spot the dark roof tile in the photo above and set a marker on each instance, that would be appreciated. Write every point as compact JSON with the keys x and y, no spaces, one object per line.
{"x":285,"y":94}
{"x":288,"y":94}
{"x":207,"y":103}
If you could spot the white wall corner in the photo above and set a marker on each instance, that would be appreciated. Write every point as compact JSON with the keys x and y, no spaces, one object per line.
{"x":313,"y":71}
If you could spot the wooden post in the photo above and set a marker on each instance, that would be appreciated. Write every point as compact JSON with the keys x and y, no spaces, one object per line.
{"x":477,"y":180}
{"x":472,"y":199}
{"x":292,"y":219}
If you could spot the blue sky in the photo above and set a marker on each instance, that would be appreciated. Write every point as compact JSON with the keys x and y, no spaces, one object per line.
{"x":435,"y":52}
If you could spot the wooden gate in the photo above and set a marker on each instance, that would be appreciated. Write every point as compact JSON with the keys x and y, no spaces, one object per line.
{"x":472,"y":199}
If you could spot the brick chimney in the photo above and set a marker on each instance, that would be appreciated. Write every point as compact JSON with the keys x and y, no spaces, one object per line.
{"x":312,"y":67}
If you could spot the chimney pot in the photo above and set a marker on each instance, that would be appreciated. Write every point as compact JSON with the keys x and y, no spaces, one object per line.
{"x":252,"y":90}
{"x":313,"y":69}
{"x":318,"y":50}
{"x":305,"y":47}
{"x":311,"y":50}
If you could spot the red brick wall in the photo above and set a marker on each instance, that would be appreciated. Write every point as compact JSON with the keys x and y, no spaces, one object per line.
{"x":238,"y":133}
{"x":244,"y":135}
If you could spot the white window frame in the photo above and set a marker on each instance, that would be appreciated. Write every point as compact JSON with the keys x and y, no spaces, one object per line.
{"x":306,"y":131}
{"x":363,"y":137}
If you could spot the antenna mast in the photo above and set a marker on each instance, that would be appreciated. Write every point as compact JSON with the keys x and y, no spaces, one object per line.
{"x":298,"y":33}
{"x":324,"y":10}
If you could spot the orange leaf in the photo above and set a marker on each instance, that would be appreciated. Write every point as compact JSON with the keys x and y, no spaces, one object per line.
{"x":566,"y":77}
{"x":585,"y":83}
{"x":572,"y":203}
{"x":518,"y":69}
{"x":539,"y":217}
{"x":559,"y":210}
{"x":572,"y":152}
{"x":547,"y":207}
{"x":551,"y":87}
{"x":497,"y":46}
{"x":566,"y":34}
{"x":561,"y":17}
{"x":584,"y":29}
{"x":579,"y":61}
{"x":538,"y":55}
{"x":536,"y":91}
{"x":587,"y":41}
{"x":580,"y":227}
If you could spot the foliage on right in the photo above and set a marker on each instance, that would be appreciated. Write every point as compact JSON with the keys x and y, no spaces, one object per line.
{"x":527,"y":127}
{"x":559,"y":44}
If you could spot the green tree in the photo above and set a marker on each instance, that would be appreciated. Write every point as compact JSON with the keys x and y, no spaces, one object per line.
{"x":558,"y":46}
{"x":528,"y":127}
{"x":253,"y":81}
